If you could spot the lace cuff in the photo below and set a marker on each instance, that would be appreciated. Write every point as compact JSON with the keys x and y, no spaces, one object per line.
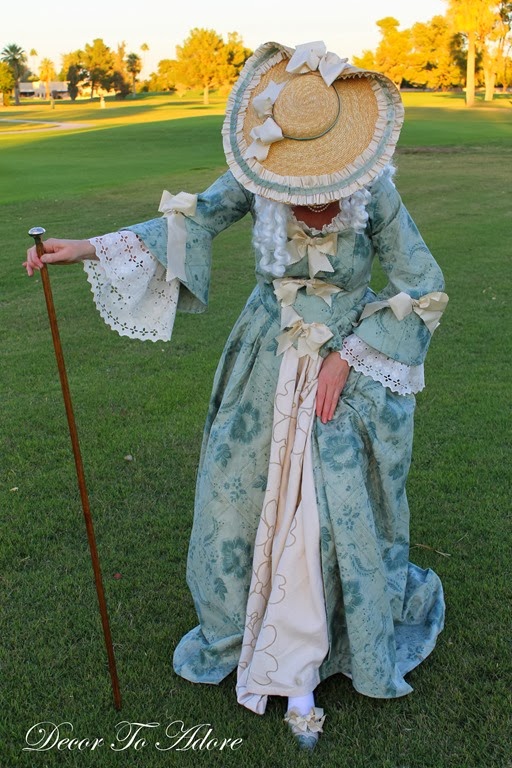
{"x":398,"y":377}
{"x":130,"y":288}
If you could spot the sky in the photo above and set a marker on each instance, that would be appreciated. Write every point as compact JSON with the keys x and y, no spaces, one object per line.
{"x":347,"y":28}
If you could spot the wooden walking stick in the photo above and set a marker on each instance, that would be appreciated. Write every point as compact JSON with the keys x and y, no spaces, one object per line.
{"x":36,"y":233}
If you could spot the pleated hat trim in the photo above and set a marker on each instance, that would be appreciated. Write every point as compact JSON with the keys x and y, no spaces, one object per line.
{"x":344,"y":159}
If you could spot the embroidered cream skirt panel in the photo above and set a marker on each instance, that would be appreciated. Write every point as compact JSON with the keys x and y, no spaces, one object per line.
{"x":285,"y":638}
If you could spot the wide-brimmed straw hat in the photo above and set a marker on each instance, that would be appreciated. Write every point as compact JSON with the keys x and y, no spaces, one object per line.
{"x":304,"y":127}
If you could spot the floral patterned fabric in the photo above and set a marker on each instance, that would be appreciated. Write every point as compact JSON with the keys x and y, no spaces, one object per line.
{"x":382,"y":613}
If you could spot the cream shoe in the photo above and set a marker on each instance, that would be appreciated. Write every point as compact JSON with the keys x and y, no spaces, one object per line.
{"x":306,"y":729}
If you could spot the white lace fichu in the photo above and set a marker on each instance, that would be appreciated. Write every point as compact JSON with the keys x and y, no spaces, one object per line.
{"x":130,"y":288}
{"x":398,"y":377}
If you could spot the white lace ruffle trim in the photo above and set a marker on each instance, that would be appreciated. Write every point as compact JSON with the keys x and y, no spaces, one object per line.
{"x":129,"y":288}
{"x":133,"y":297}
{"x":398,"y":377}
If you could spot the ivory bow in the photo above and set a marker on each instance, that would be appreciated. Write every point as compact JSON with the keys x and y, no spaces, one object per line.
{"x":309,"y":57}
{"x":264,"y":135}
{"x":264,"y":101}
{"x":174,"y":208}
{"x":429,"y":307}
{"x":286,"y":289}
{"x":311,"y":723}
{"x":315,"y":248}
{"x":307,"y":337}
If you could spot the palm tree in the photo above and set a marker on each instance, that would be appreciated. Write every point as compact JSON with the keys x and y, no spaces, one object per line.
{"x":47,"y":74}
{"x":134,"y":66}
{"x":144,"y":48}
{"x":33,"y":56}
{"x":16,"y":58}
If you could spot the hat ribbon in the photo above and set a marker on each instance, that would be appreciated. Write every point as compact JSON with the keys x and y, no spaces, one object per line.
{"x":429,"y":307}
{"x":315,"y":248}
{"x":286,"y":289}
{"x":264,"y":102}
{"x":307,"y":337}
{"x":263,"y":135}
{"x":310,"y":57}
{"x":174,"y":209}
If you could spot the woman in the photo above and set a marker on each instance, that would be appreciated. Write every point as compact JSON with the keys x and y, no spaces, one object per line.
{"x":298,"y":560}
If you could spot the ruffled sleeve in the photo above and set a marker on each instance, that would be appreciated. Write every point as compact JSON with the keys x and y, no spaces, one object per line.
{"x":396,"y":376}
{"x":222,"y":204}
{"x":130,"y":289}
{"x":146,"y":272}
{"x":414,"y":279}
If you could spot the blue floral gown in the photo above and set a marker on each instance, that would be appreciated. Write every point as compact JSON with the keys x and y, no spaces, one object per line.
{"x":362,"y":609}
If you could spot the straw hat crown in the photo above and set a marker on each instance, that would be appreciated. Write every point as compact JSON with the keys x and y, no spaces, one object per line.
{"x":305,"y":127}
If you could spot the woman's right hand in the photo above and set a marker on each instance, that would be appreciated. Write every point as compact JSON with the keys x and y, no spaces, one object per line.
{"x":59,"y":252}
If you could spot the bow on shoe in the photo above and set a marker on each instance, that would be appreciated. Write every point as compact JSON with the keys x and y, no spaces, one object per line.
{"x":312,"y":722}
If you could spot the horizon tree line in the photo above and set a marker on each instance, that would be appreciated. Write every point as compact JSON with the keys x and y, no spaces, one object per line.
{"x":470,"y":45}
{"x":96,"y":66}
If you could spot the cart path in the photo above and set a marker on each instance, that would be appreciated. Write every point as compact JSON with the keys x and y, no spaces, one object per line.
{"x":44,"y":125}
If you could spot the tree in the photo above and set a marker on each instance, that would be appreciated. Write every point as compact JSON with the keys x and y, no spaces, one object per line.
{"x":99,"y":63}
{"x":166,"y":78}
{"x":474,"y":19}
{"x":237,"y":54}
{"x":493,"y":50}
{"x":120,"y":79}
{"x":75,"y":77}
{"x":73,"y":71}
{"x":432,"y":57}
{"x":71,"y":59}
{"x":134,"y":66}
{"x":144,"y":48}
{"x":15,"y":57}
{"x":33,"y":55}
{"x":202,"y":61}
{"x":366,"y":60}
{"x":7,"y":82}
{"x":47,"y":74}
{"x":393,"y":54}
{"x":504,"y":66}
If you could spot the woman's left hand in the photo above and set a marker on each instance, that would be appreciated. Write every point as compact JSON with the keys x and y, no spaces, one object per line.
{"x":331,"y":380}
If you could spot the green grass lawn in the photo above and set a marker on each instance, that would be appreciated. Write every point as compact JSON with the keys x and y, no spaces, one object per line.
{"x":148,"y":400}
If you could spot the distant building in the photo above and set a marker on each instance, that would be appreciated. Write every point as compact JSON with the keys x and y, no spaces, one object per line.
{"x":37,"y":89}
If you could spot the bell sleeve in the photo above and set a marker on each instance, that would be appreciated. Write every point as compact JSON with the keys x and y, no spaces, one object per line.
{"x":148,"y":271}
{"x":400,"y":321}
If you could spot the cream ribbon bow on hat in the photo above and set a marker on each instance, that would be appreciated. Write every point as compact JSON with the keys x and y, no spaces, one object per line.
{"x":263,"y":103}
{"x":315,"y":248}
{"x":175,"y":208}
{"x":429,"y":307}
{"x":264,"y":135}
{"x":309,"y":57}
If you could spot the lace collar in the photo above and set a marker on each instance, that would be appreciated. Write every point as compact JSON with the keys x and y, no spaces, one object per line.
{"x":353,"y":212}
{"x":337,"y":224}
